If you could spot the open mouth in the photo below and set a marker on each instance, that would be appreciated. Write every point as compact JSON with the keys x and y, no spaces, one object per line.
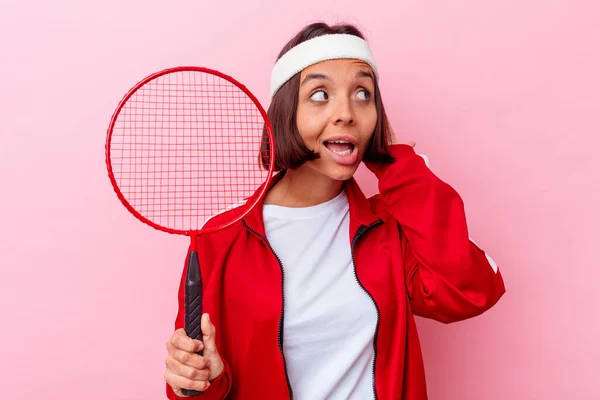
{"x":341,"y":147}
{"x":343,"y":150}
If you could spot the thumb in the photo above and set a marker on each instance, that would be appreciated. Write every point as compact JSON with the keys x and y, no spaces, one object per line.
{"x":208,"y":336}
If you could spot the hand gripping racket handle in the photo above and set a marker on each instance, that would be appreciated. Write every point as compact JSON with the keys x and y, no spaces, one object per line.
{"x":193,"y":305}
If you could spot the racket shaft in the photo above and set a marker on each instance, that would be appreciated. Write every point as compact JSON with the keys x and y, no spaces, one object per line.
{"x":193,"y":305}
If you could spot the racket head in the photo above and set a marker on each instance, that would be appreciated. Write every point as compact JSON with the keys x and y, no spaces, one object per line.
{"x":226,"y":105}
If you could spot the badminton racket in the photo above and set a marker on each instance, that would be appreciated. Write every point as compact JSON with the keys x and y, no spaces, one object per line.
{"x":183,"y":146}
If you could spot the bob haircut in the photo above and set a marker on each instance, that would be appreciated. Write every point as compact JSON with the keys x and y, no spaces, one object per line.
{"x":290,"y":150}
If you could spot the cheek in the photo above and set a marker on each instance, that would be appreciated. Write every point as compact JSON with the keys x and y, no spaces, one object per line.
{"x":310,"y":128}
{"x":368,"y":128}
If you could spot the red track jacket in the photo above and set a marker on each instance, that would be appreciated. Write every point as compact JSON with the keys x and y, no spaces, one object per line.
{"x":412,"y":255}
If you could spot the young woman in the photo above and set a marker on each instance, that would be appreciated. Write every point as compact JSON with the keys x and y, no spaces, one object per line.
{"x":313,"y":295}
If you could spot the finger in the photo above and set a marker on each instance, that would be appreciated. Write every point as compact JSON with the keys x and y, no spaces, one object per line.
{"x":412,"y":144}
{"x":194,"y":347}
{"x":190,"y":359}
{"x":198,"y":346}
{"x":183,"y":342}
{"x":187,"y":371}
{"x":209,"y":332}
{"x":169,"y":379}
{"x":178,"y":382}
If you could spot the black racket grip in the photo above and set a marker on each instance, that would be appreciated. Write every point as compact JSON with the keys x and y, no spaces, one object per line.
{"x":193,"y":305}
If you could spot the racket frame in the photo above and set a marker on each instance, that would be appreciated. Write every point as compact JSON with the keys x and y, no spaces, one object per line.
{"x":193,"y":233}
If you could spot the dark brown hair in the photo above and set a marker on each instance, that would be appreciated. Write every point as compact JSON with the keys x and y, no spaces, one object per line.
{"x":290,"y":150}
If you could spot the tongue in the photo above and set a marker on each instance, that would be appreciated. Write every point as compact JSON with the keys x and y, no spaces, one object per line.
{"x":338,"y":147}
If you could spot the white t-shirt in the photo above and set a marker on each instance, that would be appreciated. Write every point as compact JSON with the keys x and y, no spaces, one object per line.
{"x":329,"y":320}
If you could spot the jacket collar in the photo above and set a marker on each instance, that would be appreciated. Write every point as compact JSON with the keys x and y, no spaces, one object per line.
{"x":361,"y":212}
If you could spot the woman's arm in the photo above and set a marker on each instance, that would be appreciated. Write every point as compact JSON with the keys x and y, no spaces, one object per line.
{"x":448,"y":277}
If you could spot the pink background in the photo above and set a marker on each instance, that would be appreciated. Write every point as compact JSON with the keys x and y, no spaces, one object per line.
{"x":502,"y":95}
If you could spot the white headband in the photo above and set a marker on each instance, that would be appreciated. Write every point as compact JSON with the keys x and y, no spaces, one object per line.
{"x":320,"y":48}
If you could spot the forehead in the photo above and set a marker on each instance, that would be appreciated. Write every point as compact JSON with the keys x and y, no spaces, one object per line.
{"x":337,"y":67}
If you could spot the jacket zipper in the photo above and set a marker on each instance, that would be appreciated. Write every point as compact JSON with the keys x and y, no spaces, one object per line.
{"x":361,"y":230}
{"x":280,"y":329}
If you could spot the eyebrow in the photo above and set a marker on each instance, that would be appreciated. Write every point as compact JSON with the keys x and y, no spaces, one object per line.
{"x":365,"y":74}
{"x":310,"y":77}
{"x":359,"y":74}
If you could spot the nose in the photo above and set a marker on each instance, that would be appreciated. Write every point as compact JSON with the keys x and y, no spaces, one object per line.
{"x":343,"y":113}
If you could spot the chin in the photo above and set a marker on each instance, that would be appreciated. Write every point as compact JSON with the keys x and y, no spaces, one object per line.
{"x":334,"y":170}
{"x":340,"y":173}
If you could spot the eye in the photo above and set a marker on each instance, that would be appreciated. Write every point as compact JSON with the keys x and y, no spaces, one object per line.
{"x":364,"y":94}
{"x":319,"y":95}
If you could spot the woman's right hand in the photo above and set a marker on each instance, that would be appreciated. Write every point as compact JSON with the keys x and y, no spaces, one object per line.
{"x":185,"y":368}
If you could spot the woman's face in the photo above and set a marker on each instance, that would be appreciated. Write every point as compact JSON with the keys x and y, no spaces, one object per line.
{"x":336,"y":115}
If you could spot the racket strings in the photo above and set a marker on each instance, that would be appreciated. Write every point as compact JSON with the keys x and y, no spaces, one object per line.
{"x":184,"y":148}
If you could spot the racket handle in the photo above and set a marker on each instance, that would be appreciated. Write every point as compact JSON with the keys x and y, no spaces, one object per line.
{"x":193,"y":305}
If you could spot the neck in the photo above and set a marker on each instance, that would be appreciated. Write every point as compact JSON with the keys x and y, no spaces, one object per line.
{"x":303,"y":187}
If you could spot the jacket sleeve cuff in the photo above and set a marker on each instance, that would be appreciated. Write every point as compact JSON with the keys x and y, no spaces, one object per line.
{"x":403,"y":154}
{"x":221,"y":385}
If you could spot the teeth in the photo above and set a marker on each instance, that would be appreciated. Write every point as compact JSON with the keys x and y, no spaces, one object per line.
{"x":342,"y":153}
